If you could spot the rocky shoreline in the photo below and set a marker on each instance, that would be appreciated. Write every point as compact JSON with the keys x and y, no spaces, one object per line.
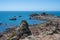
{"x":49,"y":30}
{"x":44,"y":16}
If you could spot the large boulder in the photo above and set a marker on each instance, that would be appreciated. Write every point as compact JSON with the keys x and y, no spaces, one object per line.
{"x":22,"y":31}
{"x":14,"y":18}
{"x":24,"y":27}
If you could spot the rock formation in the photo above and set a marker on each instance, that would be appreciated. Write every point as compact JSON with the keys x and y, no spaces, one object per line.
{"x":43,"y":14}
{"x":22,"y":31}
{"x":35,"y":14}
{"x":14,"y":18}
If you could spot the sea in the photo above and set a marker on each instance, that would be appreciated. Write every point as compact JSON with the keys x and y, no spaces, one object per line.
{"x":6,"y":15}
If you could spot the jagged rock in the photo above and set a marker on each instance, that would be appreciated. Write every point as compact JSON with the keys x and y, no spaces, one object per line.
{"x":22,"y":31}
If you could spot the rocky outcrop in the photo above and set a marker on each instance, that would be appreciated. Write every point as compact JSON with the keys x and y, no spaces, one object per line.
{"x":48,"y":28}
{"x":46,"y":31}
{"x":32,"y":15}
{"x":44,"y":14}
{"x":35,"y":14}
{"x":1,"y":24}
{"x":20,"y":16}
{"x":14,"y":18}
{"x":22,"y":31}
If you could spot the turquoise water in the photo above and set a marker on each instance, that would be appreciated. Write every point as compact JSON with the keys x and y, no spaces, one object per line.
{"x":5,"y":15}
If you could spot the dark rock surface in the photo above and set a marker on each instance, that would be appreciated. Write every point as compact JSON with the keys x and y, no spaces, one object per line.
{"x":35,"y":14}
{"x":0,"y":23}
{"x":43,"y":14}
{"x":14,"y":18}
{"x":20,"y":16}
{"x":1,"y":35}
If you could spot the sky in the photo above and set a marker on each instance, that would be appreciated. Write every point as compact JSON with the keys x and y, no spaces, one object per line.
{"x":29,"y":5}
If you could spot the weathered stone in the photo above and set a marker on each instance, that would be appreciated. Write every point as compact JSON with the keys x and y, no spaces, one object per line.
{"x":22,"y":30}
{"x":15,"y":38}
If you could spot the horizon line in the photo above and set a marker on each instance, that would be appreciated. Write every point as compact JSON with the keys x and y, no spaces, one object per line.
{"x":49,"y":10}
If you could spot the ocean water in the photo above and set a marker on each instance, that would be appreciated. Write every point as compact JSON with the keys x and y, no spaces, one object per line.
{"x":6,"y":15}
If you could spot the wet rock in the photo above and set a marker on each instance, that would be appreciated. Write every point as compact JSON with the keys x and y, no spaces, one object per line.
{"x":20,"y":16}
{"x":13,"y":18}
{"x":58,"y":16}
{"x":30,"y":18}
{"x":35,"y":14}
{"x":1,"y":24}
{"x":43,"y":14}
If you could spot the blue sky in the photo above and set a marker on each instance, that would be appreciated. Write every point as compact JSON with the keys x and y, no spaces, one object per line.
{"x":29,"y":5}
